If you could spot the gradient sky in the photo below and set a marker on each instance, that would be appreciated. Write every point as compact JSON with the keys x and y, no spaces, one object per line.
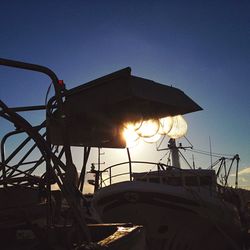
{"x":201,"y":47}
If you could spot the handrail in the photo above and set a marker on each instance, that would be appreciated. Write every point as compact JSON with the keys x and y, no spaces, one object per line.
{"x":15,"y":152}
{"x":143,"y":162}
{"x":127,"y":173}
{"x":59,"y":89}
{"x":130,"y":172}
{"x":33,"y":67}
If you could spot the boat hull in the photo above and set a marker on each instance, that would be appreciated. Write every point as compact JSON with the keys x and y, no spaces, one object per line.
{"x":173,"y":219}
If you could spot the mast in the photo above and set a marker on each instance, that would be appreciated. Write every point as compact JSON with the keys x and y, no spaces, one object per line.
{"x":174,"y":151}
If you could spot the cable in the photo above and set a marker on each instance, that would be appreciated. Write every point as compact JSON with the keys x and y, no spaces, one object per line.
{"x":219,"y":155}
{"x":164,"y":156}
{"x":189,"y":141}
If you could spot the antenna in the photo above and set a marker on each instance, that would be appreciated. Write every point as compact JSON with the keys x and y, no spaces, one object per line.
{"x":99,"y":163}
{"x":193,"y":161}
{"x":99,"y":158}
{"x":210,"y":149}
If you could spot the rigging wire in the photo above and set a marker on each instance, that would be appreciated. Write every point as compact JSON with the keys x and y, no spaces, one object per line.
{"x":183,"y":157}
{"x":159,"y":145}
{"x":168,"y":153}
{"x":189,"y":142}
{"x":218,"y":155}
{"x":206,"y":152}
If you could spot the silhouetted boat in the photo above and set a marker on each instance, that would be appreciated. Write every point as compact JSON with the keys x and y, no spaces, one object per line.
{"x":180,"y":208}
{"x":32,"y":216}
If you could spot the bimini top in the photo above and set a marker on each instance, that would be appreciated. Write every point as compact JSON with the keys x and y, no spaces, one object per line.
{"x":96,"y":110}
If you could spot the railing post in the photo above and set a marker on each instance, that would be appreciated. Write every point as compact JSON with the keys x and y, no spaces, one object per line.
{"x":237,"y":169}
{"x":100,"y":183}
{"x":130,"y":165}
{"x":110,"y":176}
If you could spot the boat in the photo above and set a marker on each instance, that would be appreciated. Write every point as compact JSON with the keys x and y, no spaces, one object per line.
{"x":180,"y":208}
{"x":34,"y":216}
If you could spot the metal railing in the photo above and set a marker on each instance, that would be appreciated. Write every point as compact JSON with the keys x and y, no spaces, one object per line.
{"x":129,"y":171}
{"x":118,"y":173}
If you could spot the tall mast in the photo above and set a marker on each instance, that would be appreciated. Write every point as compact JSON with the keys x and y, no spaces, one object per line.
{"x":174,"y":153}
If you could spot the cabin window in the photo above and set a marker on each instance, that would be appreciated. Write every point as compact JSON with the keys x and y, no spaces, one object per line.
{"x":191,"y":181}
{"x":154,"y":179}
{"x":205,"y":180}
{"x":174,"y":181}
{"x":141,"y":179}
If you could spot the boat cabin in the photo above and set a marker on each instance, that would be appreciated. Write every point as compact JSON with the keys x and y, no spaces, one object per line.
{"x":179,"y":177}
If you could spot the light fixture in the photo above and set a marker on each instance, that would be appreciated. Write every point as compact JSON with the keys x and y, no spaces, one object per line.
{"x":179,"y":127}
{"x":166,"y":125}
{"x":148,"y":128}
{"x":151,"y":130}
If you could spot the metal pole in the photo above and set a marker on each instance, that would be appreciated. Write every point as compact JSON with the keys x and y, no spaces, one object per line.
{"x":97,"y":174}
{"x":174,"y":153}
{"x":237,"y":170}
{"x":110,"y":176}
{"x":130,"y":165}
{"x":210,"y":148}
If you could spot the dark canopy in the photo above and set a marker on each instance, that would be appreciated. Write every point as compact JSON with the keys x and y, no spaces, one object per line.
{"x":96,"y":110}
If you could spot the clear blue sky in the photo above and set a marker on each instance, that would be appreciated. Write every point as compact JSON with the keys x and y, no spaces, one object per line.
{"x":201,"y":47}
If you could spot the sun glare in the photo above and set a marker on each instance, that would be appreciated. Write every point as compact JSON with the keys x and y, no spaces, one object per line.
{"x":166,"y":125}
{"x":152,"y":130}
{"x":152,"y":139}
{"x":130,"y":135}
{"x":149,"y":128}
{"x":179,"y":127}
